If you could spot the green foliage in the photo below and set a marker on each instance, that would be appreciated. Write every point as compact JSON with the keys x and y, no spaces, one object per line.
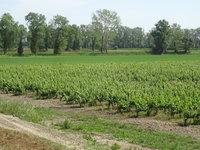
{"x":37,"y":30}
{"x":161,"y":37}
{"x":187,"y":42}
{"x":115,"y":147}
{"x":129,"y":38}
{"x":176,"y":38}
{"x":26,"y":111}
{"x":65,"y":125}
{"x":0,"y":41}
{"x":105,"y":32}
{"x":59,"y":26}
{"x":105,"y":22}
{"x":135,"y":87}
{"x":89,"y":37}
{"x":48,"y":39}
{"x":8,"y":32}
{"x":22,"y":37}
{"x":73,"y":38}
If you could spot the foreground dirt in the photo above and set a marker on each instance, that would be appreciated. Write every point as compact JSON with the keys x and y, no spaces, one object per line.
{"x":71,"y":141}
{"x":149,"y":123}
{"x":10,"y":139}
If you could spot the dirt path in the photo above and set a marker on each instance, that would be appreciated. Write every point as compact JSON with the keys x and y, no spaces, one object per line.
{"x":10,"y":139}
{"x":71,"y":141}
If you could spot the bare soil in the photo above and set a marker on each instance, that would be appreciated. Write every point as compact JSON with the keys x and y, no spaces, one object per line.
{"x":19,"y":141}
{"x":69,"y":140}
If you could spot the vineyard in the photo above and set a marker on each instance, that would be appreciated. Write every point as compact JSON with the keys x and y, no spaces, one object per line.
{"x":139,"y":87}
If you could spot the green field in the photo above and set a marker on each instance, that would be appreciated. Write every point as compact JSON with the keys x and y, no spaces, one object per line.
{"x":85,"y":58}
{"x":140,"y":85}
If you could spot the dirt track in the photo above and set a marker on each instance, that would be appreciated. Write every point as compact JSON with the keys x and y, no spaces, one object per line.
{"x":69,"y":140}
{"x":14,"y":140}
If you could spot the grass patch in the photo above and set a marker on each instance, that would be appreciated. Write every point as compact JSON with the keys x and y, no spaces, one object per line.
{"x":26,"y":112}
{"x":78,"y":58}
{"x":115,"y":147}
{"x":93,"y":144}
{"x":134,"y":134}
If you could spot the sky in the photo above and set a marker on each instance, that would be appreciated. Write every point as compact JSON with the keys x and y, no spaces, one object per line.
{"x":133,"y":13}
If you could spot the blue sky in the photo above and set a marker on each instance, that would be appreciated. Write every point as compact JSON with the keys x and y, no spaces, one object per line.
{"x":133,"y":13}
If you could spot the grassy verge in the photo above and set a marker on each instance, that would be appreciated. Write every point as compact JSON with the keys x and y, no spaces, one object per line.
{"x":88,"y":124}
{"x":133,"y":134}
{"x":26,"y":112}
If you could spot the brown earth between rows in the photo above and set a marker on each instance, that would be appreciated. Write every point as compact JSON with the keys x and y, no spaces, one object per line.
{"x":149,"y":123}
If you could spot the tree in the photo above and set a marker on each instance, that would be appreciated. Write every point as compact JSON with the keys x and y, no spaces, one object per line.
{"x":123,"y":38}
{"x":176,"y":37}
{"x":161,"y":37}
{"x":149,"y":42}
{"x":22,"y":37}
{"x":76,"y":42}
{"x":196,"y":38}
{"x":105,"y":22}
{"x":0,"y":42}
{"x":129,"y":38}
{"x":48,"y":38}
{"x":74,"y":37}
{"x":59,"y":25}
{"x":187,"y":41}
{"x":85,"y":36}
{"x":8,"y":32}
{"x":36,"y":24}
{"x":88,"y":37}
{"x":138,"y":37}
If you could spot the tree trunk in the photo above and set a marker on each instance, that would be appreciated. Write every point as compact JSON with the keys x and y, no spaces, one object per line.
{"x":4,"y":48}
{"x":20,"y":47}
{"x":4,"y":51}
{"x":106,"y":47}
{"x":102,"y":44}
{"x":93,"y":44}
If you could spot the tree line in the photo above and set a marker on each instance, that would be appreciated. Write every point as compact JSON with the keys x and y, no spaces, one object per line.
{"x":105,"y":32}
